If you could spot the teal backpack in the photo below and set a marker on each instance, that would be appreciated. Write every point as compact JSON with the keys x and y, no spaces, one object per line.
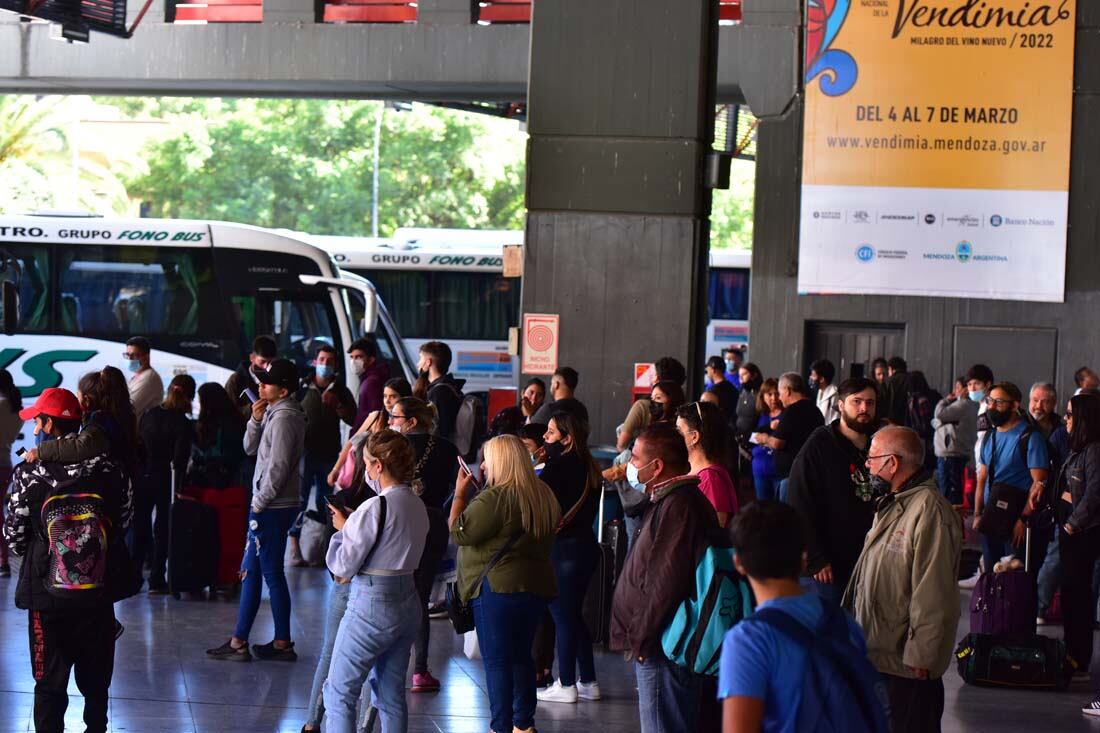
{"x":722,"y":598}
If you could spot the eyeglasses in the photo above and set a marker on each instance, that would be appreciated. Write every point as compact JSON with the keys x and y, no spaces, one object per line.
{"x":996,"y":402}
{"x":397,"y":417}
{"x":881,"y":455}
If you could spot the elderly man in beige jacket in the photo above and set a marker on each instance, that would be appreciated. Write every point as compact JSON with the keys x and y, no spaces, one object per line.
{"x":904,"y":591}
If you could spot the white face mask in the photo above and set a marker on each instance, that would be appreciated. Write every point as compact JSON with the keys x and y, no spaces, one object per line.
{"x":358,"y":367}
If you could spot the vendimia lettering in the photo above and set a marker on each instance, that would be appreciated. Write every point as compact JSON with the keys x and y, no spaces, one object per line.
{"x":977,"y":14}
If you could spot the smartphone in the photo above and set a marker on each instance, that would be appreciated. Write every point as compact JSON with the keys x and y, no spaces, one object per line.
{"x":249,"y":395}
{"x":466,"y":470}
{"x":337,"y":501}
{"x":21,"y":452}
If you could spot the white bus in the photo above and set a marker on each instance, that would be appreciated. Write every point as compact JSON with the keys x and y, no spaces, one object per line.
{"x":448,"y":285}
{"x":444,"y":285}
{"x":199,"y":291}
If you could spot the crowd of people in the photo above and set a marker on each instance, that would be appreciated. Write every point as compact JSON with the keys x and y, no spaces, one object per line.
{"x":845,"y":503}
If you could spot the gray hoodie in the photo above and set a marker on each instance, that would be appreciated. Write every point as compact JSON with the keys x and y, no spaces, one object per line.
{"x":278,"y":443}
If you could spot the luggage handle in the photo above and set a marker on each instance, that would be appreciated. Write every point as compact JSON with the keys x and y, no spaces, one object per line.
{"x":599,"y":527}
{"x":1027,"y":549}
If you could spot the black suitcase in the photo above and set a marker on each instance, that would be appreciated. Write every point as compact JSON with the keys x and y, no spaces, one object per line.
{"x":1029,"y":661}
{"x":596,"y":608}
{"x":193,"y":540}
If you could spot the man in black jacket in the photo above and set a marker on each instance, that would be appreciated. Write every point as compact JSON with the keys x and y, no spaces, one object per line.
{"x":659,"y":574}
{"x":438,"y":386}
{"x":830,"y":488}
{"x":71,"y":620}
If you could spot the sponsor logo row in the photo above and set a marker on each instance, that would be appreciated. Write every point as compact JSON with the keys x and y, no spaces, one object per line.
{"x":963,"y":252}
{"x":866,"y":216}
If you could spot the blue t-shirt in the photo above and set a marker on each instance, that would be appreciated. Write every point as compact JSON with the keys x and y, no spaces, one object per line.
{"x":761,"y":662}
{"x":1009,"y":468}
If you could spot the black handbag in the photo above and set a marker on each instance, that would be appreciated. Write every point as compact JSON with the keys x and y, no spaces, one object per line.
{"x":460,"y":612}
{"x":1006,"y":503}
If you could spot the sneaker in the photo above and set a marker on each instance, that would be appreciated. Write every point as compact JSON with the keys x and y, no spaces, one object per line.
{"x":588,"y":690}
{"x":229,"y":653}
{"x":437,"y":611}
{"x":272,"y":653}
{"x":1040,"y":621}
{"x":969,"y":583}
{"x":543,"y":681}
{"x":1093,"y":708}
{"x":558,"y":693}
{"x":424,"y":682}
{"x":296,"y":559}
{"x":5,"y":571}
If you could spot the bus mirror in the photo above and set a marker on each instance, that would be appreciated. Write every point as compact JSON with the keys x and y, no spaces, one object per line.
{"x":9,"y":303}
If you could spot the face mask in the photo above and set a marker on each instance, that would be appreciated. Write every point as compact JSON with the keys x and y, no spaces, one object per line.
{"x":554,"y":450}
{"x":879,"y":486}
{"x":977,"y":396}
{"x":324,"y":371}
{"x":133,"y":365}
{"x":42,"y":437}
{"x":534,"y":460}
{"x":423,"y":373}
{"x":812,"y":383}
{"x":632,"y":477}
{"x":731,"y":366}
{"x":358,"y":367}
{"x":656,"y":410}
{"x":997,"y":418}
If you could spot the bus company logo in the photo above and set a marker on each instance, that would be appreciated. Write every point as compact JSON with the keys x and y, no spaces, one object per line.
{"x":996,"y":220}
{"x":964,"y":251}
{"x":865,"y":253}
{"x":929,"y":219}
{"x":861,"y":217}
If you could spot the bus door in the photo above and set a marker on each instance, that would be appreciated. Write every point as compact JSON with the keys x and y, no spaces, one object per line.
{"x":300,"y":321}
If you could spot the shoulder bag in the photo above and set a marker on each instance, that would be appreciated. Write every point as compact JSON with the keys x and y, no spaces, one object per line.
{"x":458,"y":611}
{"x":1006,"y":502}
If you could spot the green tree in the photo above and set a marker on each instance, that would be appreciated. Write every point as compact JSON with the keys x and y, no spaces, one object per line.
{"x":308,"y":165}
{"x":731,"y":210}
{"x":38,"y":169}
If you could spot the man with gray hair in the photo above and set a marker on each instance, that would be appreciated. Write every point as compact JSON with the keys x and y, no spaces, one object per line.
{"x":800,"y":418}
{"x":1041,"y":405}
{"x":903,"y":591}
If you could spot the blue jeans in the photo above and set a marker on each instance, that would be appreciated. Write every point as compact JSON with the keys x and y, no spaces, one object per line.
{"x":781,"y":490}
{"x":505,"y":624}
{"x":375,"y":640}
{"x":263,"y":563}
{"x":314,"y":477}
{"x":337,"y":604}
{"x":574,"y":562}
{"x":949,"y":476}
{"x":668,"y":696}
{"x":767,"y":487}
{"x":1050,"y":576}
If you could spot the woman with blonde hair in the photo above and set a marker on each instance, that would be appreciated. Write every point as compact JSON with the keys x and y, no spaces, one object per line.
{"x":505,"y":537}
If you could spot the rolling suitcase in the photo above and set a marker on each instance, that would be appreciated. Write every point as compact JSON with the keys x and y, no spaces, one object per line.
{"x":230,"y":506}
{"x":1005,"y":603}
{"x":596,"y":608}
{"x":192,"y":544}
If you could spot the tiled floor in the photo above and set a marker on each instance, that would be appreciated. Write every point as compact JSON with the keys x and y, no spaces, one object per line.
{"x":164,"y":684}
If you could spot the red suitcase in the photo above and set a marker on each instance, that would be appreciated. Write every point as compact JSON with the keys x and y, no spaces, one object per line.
{"x":231,"y":505}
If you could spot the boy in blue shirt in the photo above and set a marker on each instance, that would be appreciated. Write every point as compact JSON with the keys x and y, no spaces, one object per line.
{"x":762,"y":670}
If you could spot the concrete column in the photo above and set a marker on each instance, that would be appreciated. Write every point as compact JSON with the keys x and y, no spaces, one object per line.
{"x":620,"y":117}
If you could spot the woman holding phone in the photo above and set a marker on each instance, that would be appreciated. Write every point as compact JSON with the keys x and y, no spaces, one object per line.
{"x":575,"y":480}
{"x":512,"y":522}
{"x":379,"y":547}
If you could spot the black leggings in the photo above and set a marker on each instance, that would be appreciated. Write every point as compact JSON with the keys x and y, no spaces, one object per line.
{"x":424,"y":577}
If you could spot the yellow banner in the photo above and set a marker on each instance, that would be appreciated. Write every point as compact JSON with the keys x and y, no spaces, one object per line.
{"x":955,"y":94}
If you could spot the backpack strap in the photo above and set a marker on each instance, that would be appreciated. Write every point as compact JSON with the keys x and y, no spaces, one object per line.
{"x":381,"y":526}
{"x":835,"y":626}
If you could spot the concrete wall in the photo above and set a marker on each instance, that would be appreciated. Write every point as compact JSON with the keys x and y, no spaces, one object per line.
{"x":939,"y":332}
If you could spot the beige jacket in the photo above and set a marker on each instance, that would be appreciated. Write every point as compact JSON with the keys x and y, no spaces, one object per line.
{"x":904,"y":590}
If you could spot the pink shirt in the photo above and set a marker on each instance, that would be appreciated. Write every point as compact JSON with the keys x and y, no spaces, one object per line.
{"x":717,"y":486}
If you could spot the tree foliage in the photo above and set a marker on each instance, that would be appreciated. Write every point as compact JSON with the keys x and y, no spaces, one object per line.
{"x":308,"y":164}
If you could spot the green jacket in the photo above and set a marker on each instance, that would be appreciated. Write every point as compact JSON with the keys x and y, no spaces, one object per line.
{"x":485,"y":527}
{"x":904,"y":590}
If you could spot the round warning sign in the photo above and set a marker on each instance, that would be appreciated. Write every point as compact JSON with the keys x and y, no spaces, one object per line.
{"x":540,"y":343}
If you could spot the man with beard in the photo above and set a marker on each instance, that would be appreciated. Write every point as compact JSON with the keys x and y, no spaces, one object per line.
{"x":830,"y":488}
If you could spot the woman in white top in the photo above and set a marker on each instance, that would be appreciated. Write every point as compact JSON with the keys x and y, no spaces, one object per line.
{"x":11,"y":402}
{"x":379,"y":546}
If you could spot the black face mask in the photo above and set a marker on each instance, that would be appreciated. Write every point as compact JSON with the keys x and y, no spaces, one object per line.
{"x":656,"y":410}
{"x":997,"y":418}
{"x":553,"y":450}
{"x":423,"y":374}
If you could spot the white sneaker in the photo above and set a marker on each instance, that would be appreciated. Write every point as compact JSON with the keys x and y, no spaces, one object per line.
{"x":971,"y":582}
{"x":557,"y":693}
{"x":588,"y":690}
{"x":1093,"y":708}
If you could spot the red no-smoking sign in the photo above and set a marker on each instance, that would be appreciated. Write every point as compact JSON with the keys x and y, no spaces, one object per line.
{"x":540,"y":343}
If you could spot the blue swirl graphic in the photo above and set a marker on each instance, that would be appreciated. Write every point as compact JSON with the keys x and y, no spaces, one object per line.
{"x":838,"y":72}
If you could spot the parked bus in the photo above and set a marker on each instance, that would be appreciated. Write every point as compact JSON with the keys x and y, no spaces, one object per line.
{"x":448,"y":285}
{"x":199,"y":291}
{"x":444,"y":285}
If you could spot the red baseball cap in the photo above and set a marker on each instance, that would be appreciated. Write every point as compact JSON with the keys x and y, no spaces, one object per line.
{"x":53,"y":402}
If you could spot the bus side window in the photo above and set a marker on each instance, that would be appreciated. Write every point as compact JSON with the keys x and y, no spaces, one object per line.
{"x":34,"y":286}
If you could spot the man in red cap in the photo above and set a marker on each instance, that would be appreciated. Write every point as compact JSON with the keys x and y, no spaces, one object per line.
{"x":68,"y":522}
